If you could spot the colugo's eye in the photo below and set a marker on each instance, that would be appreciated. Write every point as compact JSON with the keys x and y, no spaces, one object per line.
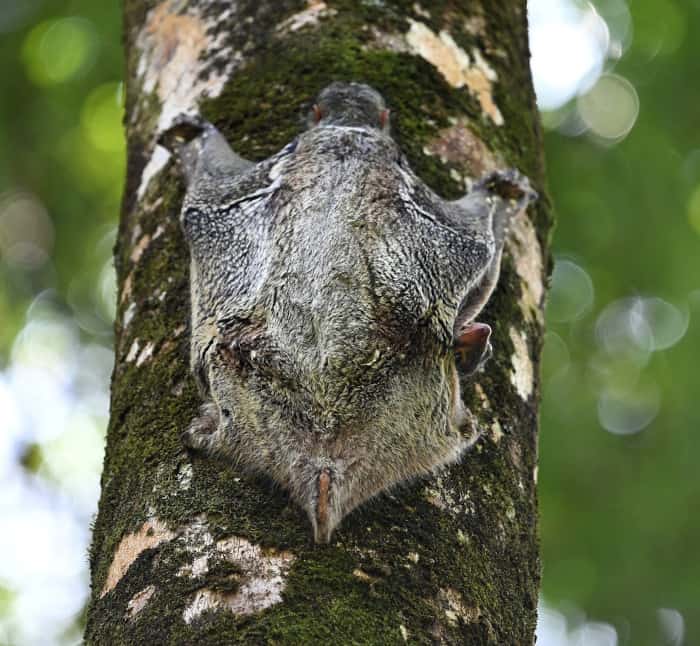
{"x":225,"y":412}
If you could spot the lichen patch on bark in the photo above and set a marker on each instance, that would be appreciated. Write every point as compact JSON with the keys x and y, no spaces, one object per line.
{"x":139,"y":248}
{"x":421,"y":11}
{"x":139,"y":601}
{"x":458,"y":145}
{"x":496,"y":431}
{"x":455,"y":608}
{"x":261,"y":577}
{"x":446,"y":497}
{"x":456,"y":66}
{"x":155,"y":164}
{"x":183,"y":59}
{"x":173,"y":62}
{"x":527,"y":256}
{"x":133,"y":351}
{"x":151,"y":534}
{"x":523,"y":372}
{"x":483,"y":397}
{"x":145,"y":354}
{"x":314,"y":12}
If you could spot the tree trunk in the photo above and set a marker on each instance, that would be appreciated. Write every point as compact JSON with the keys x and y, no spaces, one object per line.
{"x":187,"y":550}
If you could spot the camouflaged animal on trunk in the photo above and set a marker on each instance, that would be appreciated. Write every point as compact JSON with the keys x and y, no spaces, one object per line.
{"x":334,"y":298}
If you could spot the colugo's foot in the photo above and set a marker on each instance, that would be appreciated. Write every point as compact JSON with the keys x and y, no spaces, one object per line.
{"x":200,"y":433}
{"x":472,"y":347}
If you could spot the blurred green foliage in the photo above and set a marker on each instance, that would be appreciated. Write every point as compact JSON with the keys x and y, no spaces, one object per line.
{"x":61,"y":158}
{"x":620,"y":532}
{"x":620,"y":529}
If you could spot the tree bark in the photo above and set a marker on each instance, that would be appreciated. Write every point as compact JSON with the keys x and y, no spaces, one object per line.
{"x":186,"y":549}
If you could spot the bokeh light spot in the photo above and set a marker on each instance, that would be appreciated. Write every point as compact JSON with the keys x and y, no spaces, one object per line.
{"x":668,"y":324}
{"x":594,"y":633}
{"x":555,"y":356}
{"x":569,"y":42}
{"x":663,"y":37}
{"x":571,"y":294}
{"x":622,"y":331}
{"x":59,"y":50}
{"x":694,"y":210}
{"x":628,"y":410}
{"x":107,"y":292}
{"x":26,"y":231}
{"x":569,"y":627}
{"x":101,"y":118}
{"x":672,"y":625}
{"x":610,"y":108}
{"x":638,"y":326}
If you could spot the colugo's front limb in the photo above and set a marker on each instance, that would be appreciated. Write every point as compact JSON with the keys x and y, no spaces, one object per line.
{"x":492,"y":203}
{"x":202,"y":150}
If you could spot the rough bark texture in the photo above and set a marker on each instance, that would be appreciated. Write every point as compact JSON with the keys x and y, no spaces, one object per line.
{"x":187,"y":550}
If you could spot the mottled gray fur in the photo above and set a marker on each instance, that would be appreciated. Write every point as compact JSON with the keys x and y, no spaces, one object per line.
{"x":330,"y":288}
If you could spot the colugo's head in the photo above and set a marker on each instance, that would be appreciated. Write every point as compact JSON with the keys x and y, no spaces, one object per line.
{"x":350,"y":104}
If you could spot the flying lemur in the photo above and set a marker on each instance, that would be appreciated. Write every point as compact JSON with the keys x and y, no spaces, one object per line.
{"x":334,"y":298}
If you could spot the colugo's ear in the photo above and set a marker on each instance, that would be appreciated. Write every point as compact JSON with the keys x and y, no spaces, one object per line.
{"x":472,"y":347}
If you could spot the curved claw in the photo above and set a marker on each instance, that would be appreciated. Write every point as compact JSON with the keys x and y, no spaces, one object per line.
{"x":509,"y":184}
{"x":184,"y":129}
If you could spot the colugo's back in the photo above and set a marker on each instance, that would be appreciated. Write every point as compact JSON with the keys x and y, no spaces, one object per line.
{"x":334,"y":299}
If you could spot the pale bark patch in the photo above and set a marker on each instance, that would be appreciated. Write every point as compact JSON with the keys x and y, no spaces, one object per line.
{"x":145,"y":354}
{"x":133,"y":351}
{"x":456,"y":609}
{"x":496,"y":432}
{"x":458,"y":145}
{"x":184,"y":476}
{"x":456,"y":66}
{"x":445,"y":497}
{"x":198,"y":567}
{"x":128,"y":315}
{"x":527,"y":256}
{"x":173,"y":63}
{"x":420,"y":11}
{"x":139,"y":601}
{"x":126,"y":290}
{"x":140,"y":247}
{"x":363,"y":576}
{"x":481,"y":394}
{"x":475,"y":25}
{"x":151,"y":534}
{"x":523,"y":372}
{"x":310,"y":16}
{"x":262,"y":578}
{"x":155,"y":164}
{"x":183,"y":58}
